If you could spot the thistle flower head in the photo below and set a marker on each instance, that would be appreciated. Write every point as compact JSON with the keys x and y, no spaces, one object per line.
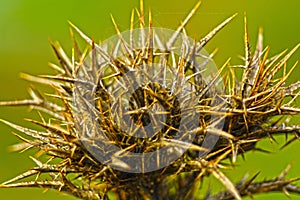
{"x":146,"y":114}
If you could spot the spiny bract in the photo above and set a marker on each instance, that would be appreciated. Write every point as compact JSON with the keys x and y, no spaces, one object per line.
{"x":198,"y":118}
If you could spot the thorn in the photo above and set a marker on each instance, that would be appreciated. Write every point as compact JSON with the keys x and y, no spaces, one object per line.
{"x":180,"y":28}
{"x":212,"y":33}
{"x":90,"y":42}
{"x":284,"y":172}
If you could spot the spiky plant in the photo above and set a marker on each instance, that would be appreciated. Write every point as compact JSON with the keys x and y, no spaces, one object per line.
{"x":207,"y":118}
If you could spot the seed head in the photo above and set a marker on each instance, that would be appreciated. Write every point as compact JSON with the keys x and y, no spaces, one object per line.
{"x":146,"y":114}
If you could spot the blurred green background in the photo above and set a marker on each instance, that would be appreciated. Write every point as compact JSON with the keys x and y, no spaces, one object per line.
{"x":26,"y":26}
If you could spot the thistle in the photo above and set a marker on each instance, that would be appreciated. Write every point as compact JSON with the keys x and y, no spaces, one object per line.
{"x":146,"y":114}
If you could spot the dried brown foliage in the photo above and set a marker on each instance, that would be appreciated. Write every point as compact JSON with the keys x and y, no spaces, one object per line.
{"x":248,"y":108}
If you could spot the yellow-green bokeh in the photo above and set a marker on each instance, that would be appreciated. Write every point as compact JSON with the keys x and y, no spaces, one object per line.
{"x":26,"y":26}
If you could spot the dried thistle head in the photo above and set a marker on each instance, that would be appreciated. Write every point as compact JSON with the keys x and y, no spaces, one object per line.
{"x":144,"y":115}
